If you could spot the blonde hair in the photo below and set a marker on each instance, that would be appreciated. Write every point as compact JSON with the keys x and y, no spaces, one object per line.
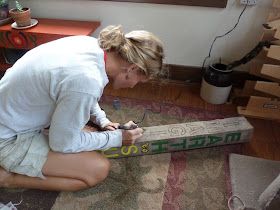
{"x":139,"y":47}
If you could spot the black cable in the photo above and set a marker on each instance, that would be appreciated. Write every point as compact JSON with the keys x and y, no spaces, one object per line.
{"x":145,"y":112}
{"x":220,"y":36}
{"x":249,"y":56}
{"x":117,"y":105}
{"x":151,"y":109}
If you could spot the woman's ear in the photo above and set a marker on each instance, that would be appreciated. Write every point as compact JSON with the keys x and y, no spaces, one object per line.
{"x":132,"y":68}
{"x":130,"y":71}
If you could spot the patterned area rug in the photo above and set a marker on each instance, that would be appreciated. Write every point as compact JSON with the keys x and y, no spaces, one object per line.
{"x":193,"y":179}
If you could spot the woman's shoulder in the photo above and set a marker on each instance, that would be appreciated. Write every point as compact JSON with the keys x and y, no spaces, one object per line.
{"x":79,"y":39}
{"x":83,"y":80}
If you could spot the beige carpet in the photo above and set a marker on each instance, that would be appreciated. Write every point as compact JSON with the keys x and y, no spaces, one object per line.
{"x":193,"y":179}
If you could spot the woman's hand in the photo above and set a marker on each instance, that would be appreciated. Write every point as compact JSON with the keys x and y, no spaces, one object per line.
{"x":130,"y":136}
{"x":111,"y":126}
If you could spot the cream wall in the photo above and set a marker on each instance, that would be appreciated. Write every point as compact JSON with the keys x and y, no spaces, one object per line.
{"x":187,"y":32}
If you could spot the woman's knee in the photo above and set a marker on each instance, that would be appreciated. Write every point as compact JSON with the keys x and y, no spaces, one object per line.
{"x":97,"y":170}
{"x":89,"y":167}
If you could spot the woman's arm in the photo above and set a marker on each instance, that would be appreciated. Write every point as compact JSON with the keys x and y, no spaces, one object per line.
{"x":69,"y":118}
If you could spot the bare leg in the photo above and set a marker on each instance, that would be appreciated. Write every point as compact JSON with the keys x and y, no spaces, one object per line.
{"x":63,"y":172}
{"x":50,"y":183}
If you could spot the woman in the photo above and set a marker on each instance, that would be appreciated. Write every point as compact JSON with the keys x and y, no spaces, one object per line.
{"x":58,"y":85}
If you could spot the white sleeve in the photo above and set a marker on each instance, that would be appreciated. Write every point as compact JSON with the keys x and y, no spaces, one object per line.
{"x":71,"y":114}
{"x":98,"y":116}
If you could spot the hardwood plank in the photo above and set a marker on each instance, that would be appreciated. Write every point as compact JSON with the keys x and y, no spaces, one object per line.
{"x":274,"y":24}
{"x":274,"y":52}
{"x":261,"y":107}
{"x":256,"y":113}
{"x":270,"y":88}
{"x":266,"y":71}
{"x":264,"y":104}
{"x":271,"y":71}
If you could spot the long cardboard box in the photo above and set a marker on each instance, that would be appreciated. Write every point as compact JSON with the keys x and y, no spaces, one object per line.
{"x":185,"y":136}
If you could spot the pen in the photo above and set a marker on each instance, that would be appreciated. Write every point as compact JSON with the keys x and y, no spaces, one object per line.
{"x":127,"y":127}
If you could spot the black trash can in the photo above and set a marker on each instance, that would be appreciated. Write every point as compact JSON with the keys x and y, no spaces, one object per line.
{"x":216,"y":84}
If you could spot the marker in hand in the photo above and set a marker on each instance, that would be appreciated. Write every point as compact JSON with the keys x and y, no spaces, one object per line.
{"x":130,"y":133}
{"x":128,"y":127}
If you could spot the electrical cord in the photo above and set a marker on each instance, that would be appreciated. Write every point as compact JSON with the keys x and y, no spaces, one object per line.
{"x":249,"y":56}
{"x":150,"y":109}
{"x":220,"y":36}
{"x":130,"y":127}
{"x":145,"y":113}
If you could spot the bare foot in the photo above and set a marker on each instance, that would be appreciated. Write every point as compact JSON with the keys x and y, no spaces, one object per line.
{"x":4,"y":176}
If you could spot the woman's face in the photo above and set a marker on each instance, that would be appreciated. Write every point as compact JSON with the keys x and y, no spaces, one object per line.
{"x":129,"y":77}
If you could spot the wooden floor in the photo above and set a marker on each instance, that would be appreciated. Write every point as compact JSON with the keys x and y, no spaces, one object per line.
{"x":266,"y":139}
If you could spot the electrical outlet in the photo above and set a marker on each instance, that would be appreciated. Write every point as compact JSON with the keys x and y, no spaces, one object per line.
{"x":249,"y":2}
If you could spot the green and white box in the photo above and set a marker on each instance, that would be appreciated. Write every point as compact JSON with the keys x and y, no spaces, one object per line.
{"x":185,"y":136}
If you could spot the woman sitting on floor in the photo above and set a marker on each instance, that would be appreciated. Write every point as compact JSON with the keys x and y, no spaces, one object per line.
{"x":58,"y":85}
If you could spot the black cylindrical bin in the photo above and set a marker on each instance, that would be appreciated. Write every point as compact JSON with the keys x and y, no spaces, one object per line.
{"x":216,"y":84}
